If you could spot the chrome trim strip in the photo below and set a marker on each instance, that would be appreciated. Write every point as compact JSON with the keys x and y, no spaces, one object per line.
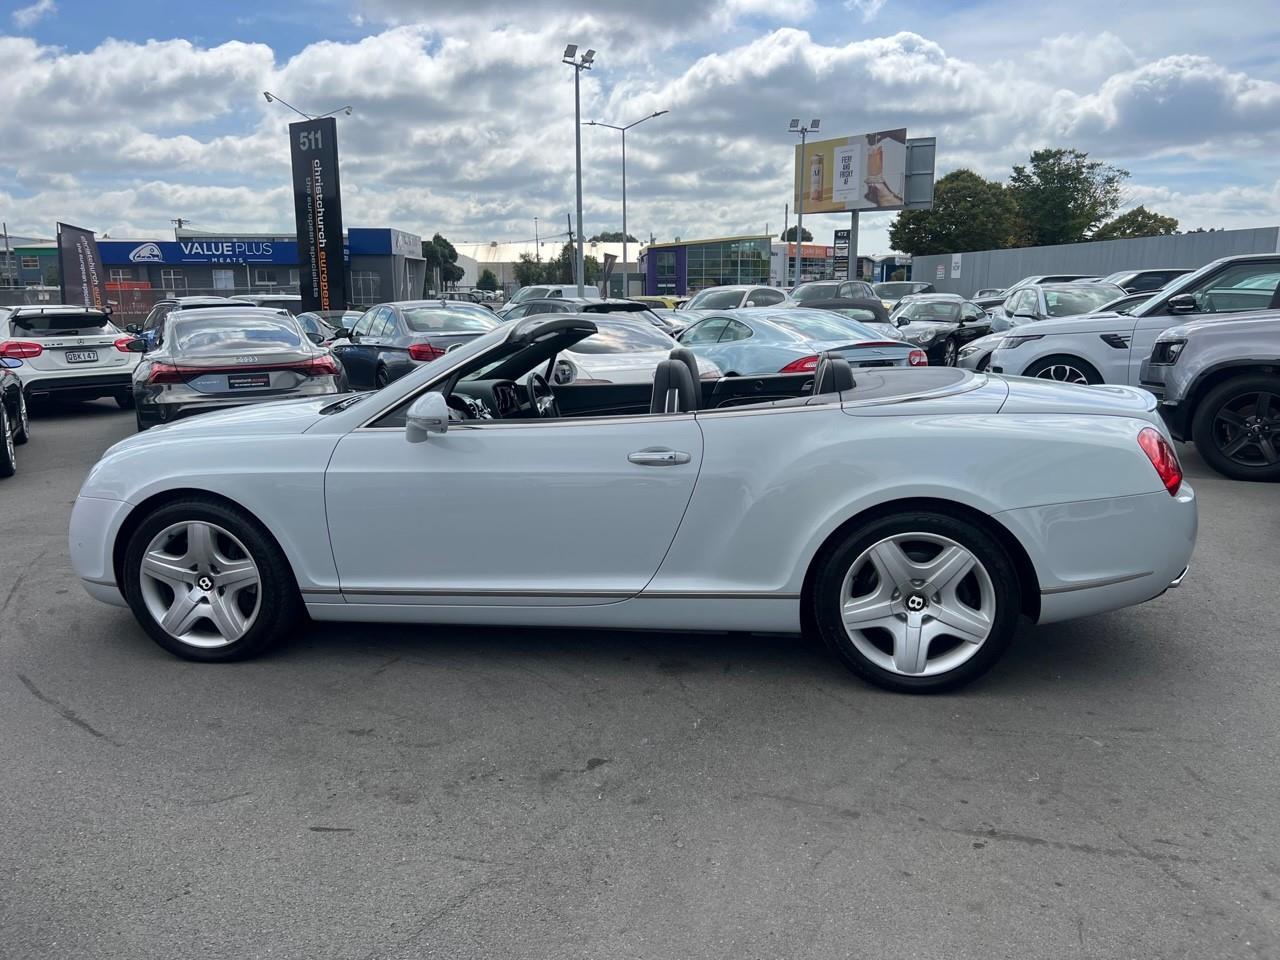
{"x":729,"y":595}
{"x":321,"y":593}
{"x":1177,"y":581}
{"x":497,"y":592}
{"x":1104,"y":582}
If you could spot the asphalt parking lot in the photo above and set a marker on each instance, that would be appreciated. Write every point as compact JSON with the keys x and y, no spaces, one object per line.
{"x":1111,"y":789}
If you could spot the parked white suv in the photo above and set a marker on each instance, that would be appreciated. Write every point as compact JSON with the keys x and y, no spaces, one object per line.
{"x":72,"y":353}
{"x":1110,"y":347}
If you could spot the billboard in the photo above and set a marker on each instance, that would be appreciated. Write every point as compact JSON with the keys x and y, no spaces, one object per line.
{"x":317,"y":210}
{"x":865,"y":172}
{"x":84,"y":282}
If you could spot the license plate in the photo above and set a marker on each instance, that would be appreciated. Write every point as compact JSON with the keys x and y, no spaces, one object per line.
{"x":82,"y":356}
{"x":245,"y":381}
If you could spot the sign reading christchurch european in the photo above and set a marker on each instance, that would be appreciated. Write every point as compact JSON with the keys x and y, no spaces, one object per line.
{"x":84,"y":282}
{"x":317,"y":209}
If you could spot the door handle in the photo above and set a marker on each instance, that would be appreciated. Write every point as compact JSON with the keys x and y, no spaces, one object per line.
{"x":658,"y":457}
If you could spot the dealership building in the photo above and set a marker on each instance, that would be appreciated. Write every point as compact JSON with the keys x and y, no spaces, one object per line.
{"x":686,"y":266}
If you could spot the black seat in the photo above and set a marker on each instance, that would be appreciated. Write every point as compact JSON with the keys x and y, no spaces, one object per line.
{"x":834,"y":375}
{"x":673,"y":390}
{"x":685,"y":356}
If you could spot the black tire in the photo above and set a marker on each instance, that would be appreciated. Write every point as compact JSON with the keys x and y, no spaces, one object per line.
{"x":137,"y":416}
{"x":380,"y":378}
{"x":1042,"y":369}
{"x":950,"y":352}
{"x":1212,"y":439}
{"x":838,"y":558}
{"x":22,"y":431}
{"x":124,"y":400}
{"x":8,"y":462}
{"x":279,"y":606}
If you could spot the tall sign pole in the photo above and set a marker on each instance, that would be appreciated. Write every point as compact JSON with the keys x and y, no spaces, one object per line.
{"x":800,"y":208}
{"x":317,"y":210}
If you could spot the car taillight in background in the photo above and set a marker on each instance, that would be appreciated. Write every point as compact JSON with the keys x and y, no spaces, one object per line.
{"x":168,"y":373}
{"x":325,"y":366}
{"x":20,"y":349}
{"x":319,"y":367}
{"x":425,"y":351}
{"x":803,"y":365}
{"x":1162,"y":456}
{"x":122,"y":344}
{"x":918,"y":358}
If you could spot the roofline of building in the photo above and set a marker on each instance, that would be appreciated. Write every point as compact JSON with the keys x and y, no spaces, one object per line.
{"x":689,"y":243}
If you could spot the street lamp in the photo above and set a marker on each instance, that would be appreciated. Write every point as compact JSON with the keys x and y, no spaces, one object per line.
{"x":795,"y":127}
{"x":579,"y":64}
{"x":623,"y":131}
{"x":272,"y":98}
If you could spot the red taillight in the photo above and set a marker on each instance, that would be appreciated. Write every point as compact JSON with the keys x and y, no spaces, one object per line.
{"x":20,"y":349}
{"x":425,"y":351}
{"x":803,"y":365}
{"x":123,"y":344}
{"x":918,"y":358}
{"x":1162,"y":456}
{"x":319,"y":367}
{"x":167,"y":373}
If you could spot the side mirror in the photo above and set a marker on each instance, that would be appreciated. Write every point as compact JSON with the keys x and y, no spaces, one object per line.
{"x":315,"y":338}
{"x":342,"y":333}
{"x":749,"y":303}
{"x":138,"y":345}
{"x":1182,"y":303}
{"x":427,"y":415}
{"x":134,"y":328}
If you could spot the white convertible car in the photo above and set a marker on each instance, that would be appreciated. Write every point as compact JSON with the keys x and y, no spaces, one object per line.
{"x":910,"y":517}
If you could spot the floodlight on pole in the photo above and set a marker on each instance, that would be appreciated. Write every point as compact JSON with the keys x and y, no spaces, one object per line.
{"x":623,"y":130}
{"x":583,"y":63}
{"x":794,"y":127}
{"x":273,"y":98}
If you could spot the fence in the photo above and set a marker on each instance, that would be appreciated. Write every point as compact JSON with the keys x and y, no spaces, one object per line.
{"x":966,"y":273}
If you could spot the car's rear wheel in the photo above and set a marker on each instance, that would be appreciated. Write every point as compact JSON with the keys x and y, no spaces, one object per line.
{"x":8,"y":461}
{"x":381,"y":379}
{"x":917,"y":602}
{"x":1236,"y":428}
{"x":1064,"y":369}
{"x":124,"y":400}
{"x":22,"y":433}
{"x":208,"y":583}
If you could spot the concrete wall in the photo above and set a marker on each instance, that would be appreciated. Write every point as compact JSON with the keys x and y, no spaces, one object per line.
{"x":1000,"y":268}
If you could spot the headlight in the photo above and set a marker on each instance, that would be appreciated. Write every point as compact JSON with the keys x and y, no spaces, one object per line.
{"x":1008,"y":343}
{"x":1166,"y":352}
{"x":923,"y":336}
{"x":967,"y":351}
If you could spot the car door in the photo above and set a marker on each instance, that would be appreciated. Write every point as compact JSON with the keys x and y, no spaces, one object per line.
{"x":516,"y":513}
{"x":356,"y":353}
{"x":974,"y":323}
{"x":1239,"y":287}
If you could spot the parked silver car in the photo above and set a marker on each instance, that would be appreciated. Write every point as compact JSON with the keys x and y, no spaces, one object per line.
{"x":1218,"y":382}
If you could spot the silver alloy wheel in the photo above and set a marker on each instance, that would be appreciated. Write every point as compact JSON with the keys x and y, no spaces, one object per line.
{"x":949,"y":354}
{"x":1063,"y":373}
{"x":23,"y":422}
{"x":196,"y":580}
{"x":909,"y":591}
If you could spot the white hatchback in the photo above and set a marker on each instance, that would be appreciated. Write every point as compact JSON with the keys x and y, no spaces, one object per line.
{"x":72,"y":353}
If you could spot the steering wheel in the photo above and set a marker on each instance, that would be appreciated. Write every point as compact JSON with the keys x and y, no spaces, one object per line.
{"x":541,"y":398}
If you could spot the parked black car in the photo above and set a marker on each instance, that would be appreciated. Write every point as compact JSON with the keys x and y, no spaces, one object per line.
{"x":14,"y":426}
{"x":862,"y":309}
{"x":940,"y":324}
{"x":215,"y":359}
{"x":391,"y":339}
{"x":1138,"y":281}
{"x":322,"y":326}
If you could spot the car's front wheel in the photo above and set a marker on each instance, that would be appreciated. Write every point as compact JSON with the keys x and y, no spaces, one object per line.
{"x":22,"y":429}
{"x":1064,"y":370}
{"x":949,"y":351}
{"x":8,"y":460}
{"x":917,"y":602}
{"x":1236,"y":428}
{"x":208,"y":583}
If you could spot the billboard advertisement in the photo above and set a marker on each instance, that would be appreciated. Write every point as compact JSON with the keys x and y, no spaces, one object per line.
{"x":84,"y":282}
{"x":317,"y":210}
{"x":840,"y":264}
{"x":865,"y":172}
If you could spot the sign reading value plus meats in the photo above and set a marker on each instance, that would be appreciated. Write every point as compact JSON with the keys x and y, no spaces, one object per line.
{"x":84,"y":282}
{"x":317,"y":208}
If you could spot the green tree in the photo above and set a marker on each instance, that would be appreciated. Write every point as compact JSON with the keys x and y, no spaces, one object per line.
{"x":560,"y":270}
{"x":1062,"y":196}
{"x":487,"y":280}
{"x":442,"y":263}
{"x":968,"y":213}
{"x":789,"y":235}
{"x":614,"y":236}
{"x":530,"y":272}
{"x":1138,"y":222}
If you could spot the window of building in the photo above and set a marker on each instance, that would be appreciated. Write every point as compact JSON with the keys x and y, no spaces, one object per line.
{"x":294,"y":277}
{"x":224,"y":279}
{"x":264,"y":277}
{"x":173,"y":279}
{"x":366,"y":287}
{"x":30,"y":263}
{"x":120,"y":274}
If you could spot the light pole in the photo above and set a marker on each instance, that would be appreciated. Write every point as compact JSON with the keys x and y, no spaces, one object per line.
{"x":272,"y":98}
{"x":537,"y":244}
{"x":579,"y":64}
{"x":623,"y":131}
{"x":795,"y":127}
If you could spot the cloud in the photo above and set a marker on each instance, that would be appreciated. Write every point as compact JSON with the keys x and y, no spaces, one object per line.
{"x":869,"y":9}
{"x":26,"y":17}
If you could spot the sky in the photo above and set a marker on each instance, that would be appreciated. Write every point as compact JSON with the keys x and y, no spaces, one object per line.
{"x":123,"y":115}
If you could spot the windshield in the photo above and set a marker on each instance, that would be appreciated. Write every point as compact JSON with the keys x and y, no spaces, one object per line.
{"x":442,"y":320}
{"x":815,"y":291}
{"x":64,"y":323}
{"x":716,"y":300}
{"x":529,"y":293}
{"x":935,"y":311}
{"x":821,"y":325}
{"x":891,"y":291}
{"x":623,"y":338}
{"x":1087,"y":299}
{"x":855,"y":313}
{"x":210,"y":336}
